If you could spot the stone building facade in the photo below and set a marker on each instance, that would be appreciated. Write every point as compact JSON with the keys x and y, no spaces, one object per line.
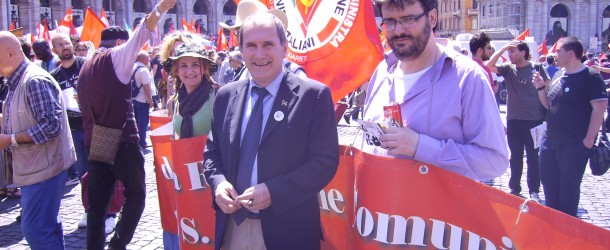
{"x":589,"y":20}
{"x":28,"y":13}
{"x":457,"y":16}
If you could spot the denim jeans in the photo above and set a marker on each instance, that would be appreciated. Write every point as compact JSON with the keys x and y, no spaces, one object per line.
{"x":129,"y":169}
{"x":142,"y":114}
{"x":40,"y":221}
{"x":562,"y":166}
{"x":170,"y":241}
{"x":519,"y":137}
{"x":80,"y":166}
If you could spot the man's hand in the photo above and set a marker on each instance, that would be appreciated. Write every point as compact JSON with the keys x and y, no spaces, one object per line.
{"x":165,"y":5}
{"x":5,"y":141}
{"x":537,"y":80}
{"x":511,"y":44}
{"x":255,"y":198}
{"x":588,"y":143}
{"x":400,"y":141}
{"x":223,"y":197}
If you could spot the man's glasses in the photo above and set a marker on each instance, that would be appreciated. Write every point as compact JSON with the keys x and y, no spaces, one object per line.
{"x":390,"y":24}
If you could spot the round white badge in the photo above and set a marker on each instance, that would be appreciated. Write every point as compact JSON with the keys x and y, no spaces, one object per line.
{"x":279,"y":115}
{"x":567,"y":90}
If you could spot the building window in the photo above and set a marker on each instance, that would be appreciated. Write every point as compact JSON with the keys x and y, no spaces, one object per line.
{"x":483,"y":10}
{"x":475,"y":4}
{"x":491,"y":9}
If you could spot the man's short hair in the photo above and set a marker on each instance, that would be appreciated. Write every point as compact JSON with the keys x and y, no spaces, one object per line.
{"x":572,"y":43}
{"x":427,"y":5}
{"x":550,"y":60}
{"x":478,"y":41}
{"x":523,"y":47}
{"x":264,"y":17}
{"x":236,"y":55}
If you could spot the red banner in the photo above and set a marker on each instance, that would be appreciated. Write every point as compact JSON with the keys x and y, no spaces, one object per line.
{"x":379,"y":203}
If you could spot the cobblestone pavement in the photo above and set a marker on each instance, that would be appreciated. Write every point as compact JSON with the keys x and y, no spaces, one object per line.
{"x":594,"y":207}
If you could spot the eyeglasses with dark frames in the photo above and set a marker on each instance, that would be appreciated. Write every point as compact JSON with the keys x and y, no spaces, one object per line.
{"x":390,"y":24}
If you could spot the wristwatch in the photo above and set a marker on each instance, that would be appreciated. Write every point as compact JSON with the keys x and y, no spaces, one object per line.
{"x":13,"y":141}
{"x":541,"y":88}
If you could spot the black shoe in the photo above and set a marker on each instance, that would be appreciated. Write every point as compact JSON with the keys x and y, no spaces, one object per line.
{"x":346,"y":118}
{"x":518,"y":194}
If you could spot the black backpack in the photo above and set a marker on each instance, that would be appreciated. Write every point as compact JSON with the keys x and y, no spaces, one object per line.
{"x":135,"y":90}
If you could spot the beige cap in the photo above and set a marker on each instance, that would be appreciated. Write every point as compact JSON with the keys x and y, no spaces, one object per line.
{"x":246,"y":8}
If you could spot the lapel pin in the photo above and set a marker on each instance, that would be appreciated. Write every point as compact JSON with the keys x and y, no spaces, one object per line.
{"x":278,"y":116}
{"x":284,"y":103}
{"x":567,"y":89}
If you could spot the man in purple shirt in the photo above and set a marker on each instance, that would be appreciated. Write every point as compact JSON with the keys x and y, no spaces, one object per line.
{"x":448,"y":109}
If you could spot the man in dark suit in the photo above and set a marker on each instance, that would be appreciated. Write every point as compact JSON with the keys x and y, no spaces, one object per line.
{"x":266,"y":161}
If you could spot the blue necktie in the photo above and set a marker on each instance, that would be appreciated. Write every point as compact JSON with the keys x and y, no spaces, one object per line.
{"x":249,"y":149}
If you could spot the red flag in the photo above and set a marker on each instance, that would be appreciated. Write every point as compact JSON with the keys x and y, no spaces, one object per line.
{"x":198,"y":28}
{"x":522,"y":36}
{"x":192,"y":25}
{"x":343,"y":54}
{"x":104,"y":18}
{"x":234,"y":41}
{"x":554,"y":48}
{"x":12,"y":26}
{"x":221,"y":42}
{"x":46,"y":35}
{"x":542,"y":49}
{"x":92,"y":28}
{"x":186,"y":26}
{"x":67,"y":22}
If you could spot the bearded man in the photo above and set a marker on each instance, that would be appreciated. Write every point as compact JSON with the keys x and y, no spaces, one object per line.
{"x":448,"y":108}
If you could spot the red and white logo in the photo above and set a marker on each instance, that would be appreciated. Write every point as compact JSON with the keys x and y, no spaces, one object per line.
{"x":317,"y":27}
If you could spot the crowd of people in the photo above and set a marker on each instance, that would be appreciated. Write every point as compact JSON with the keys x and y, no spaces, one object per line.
{"x":73,"y":113}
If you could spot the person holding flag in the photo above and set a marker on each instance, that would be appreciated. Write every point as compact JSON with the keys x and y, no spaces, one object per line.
{"x":444,"y":98}
{"x":105,"y":98}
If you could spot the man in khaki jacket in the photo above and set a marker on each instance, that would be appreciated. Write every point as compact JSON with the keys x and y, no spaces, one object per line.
{"x":36,"y":132}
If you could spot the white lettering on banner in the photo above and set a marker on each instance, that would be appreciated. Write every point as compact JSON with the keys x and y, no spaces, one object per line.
{"x":332,"y":202}
{"x":296,"y":58}
{"x":189,"y":233}
{"x":366,"y":224}
{"x":347,"y":24}
{"x":197,"y":177}
{"x":299,"y":44}
{"x":169,"y":174}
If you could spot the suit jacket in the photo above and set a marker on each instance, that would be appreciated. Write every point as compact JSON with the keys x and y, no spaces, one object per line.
{"x":297,"y":157}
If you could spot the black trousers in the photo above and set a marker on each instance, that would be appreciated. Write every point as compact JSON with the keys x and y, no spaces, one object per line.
{"x":129,"y":169}
{"x":519,"y":136}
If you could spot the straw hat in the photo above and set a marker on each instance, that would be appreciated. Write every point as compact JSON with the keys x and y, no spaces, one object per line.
{"x":246,"y":8}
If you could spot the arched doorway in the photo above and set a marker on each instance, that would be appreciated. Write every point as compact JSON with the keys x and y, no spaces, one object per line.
{"x":200,"y":14}
{"x":45,"y":13}
{"x":139,"y":12}
{"x":559,"y":23}
{"x":169,"y":25}
{"x":605,"y":28}
{"x":15,"y":13}
{"x":110,"y":8}
{"x":78,"y":12}
{"x":228,"y":12}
